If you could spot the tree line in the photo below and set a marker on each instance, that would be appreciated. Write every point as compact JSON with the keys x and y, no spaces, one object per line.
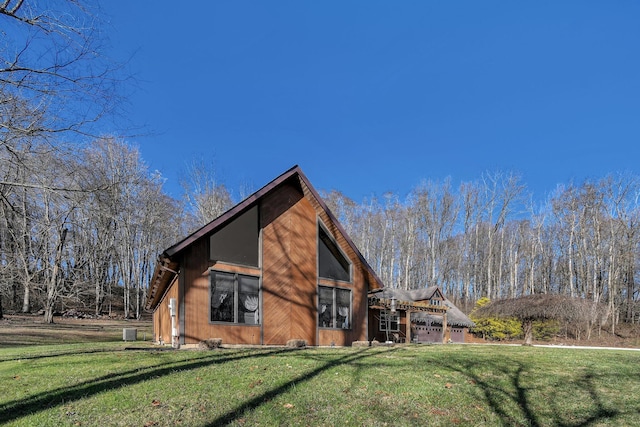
{"x":89,"y":238}
{"x":82,"y":219}
{"x":488,"y":239}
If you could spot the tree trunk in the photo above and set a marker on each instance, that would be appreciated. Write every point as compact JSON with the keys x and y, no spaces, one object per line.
{"x":527,"y":328}
{"x":52,"y":286}
{"x":26,"y":299}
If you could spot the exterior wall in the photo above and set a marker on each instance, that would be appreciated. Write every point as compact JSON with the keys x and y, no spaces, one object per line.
{"x":288,"y":267}
{"x":289,"y":280}
{"x":359,"y":286}
{"x":196,"y":266}
{"x":162,"y":317}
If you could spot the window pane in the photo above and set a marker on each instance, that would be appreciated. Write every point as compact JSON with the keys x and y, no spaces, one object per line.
{"x":394,"y":323}
{"x":390,"y":322}
{"x":343,"y":313}
{"x":222,"y":297}
{"x":331,"y":263}
{"x":325,"y":307}
{"x":238,"y":241}
{"x":248,"y":300}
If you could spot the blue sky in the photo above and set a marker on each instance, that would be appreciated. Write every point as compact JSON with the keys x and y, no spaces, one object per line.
{"x":369,"y":97}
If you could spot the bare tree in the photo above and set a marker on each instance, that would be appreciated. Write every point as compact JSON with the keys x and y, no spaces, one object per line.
{"x":438,"y":213}
{"x":51,"y":62}
{"x":500,"y":193}
{"x":206,"y":198}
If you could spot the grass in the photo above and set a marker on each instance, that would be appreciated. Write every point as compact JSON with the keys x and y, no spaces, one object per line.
{"x":28,"y":330}
{"x":104,"y":384}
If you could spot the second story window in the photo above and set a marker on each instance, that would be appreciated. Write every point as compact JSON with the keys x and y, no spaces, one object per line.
{"x":332,"y":263}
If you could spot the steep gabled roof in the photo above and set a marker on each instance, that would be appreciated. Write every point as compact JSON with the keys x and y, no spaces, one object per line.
{"x":166,"y":267}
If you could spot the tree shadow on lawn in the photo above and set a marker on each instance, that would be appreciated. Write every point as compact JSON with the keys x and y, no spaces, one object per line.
{"x":257,"y":401}
{"x":13,"y":410}
{"x":505,"y":400}
{"x":72,"y":352}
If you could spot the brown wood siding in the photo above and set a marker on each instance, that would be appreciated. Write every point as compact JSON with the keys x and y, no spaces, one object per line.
{"x":231,"y":268}
{"x":288,"y":267}
{"x":289,"y":279}
{"x":162,"y":317}
{"x":195,"y":263}
{"x":303,"y":274}
{"x":360,"y":283}
{"x":197,"y":327}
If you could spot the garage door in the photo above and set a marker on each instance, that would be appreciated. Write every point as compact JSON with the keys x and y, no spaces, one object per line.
{"x":428,"y":334}
{"x":457,"y":335}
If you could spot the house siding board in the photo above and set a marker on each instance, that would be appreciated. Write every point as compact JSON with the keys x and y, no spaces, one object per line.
{"x":197,"y":327}
{"x":359,"y":284}
{"x":303,"y":251}
{"x":289,"y":210}
{"x":196,"y":293}
{"x":288,"y":266}
{"x":162,"y":317}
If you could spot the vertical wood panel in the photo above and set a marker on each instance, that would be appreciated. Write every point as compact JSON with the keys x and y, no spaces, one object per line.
{"x":360,"y":281}
{"x":289,"y":278}
{"x":162,"y":317}
{"x":196,"y":292}
{"x":303,"y":254}
{"x":278,"y":235}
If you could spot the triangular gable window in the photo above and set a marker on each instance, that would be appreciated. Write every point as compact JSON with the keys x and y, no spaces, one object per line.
{"x":332,"y":263}
{"x":437,"y":298}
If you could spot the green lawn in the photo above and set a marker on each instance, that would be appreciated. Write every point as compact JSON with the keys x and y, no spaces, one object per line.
{"x":104,"y":384}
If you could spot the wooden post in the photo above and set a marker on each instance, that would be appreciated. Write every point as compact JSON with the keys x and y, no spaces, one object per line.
{"x":408,"y":326}
{"x":444,"y":327}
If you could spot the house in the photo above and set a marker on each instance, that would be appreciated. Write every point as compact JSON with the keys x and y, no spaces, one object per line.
{"x":417,"y":315}
{"x":276,"y":267}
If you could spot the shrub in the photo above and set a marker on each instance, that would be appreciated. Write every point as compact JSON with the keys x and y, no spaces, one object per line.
{"x":544,"y":330}
{"x":499,"y":329}
{"x":494,"y":328}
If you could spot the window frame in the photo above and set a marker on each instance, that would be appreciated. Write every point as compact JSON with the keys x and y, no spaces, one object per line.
{"x":383,"y":322}
{"x":323,"y":229}
{"x":334,"y":308}
{"x":221,"y":237}
{"x":236,"y":296}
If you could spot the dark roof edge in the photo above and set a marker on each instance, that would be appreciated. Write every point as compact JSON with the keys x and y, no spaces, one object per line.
{"x":203,"y":231}
{"x":339,"y":227}
{"x":249,"y":201}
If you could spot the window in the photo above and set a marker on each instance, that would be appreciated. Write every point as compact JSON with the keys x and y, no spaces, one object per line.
{"x":238,"y":241}
{"x":334,"y":308}
{"x":332,"y":264}
{"x":435,"y":302}
{"x":235,"y":298}
{"x":389,"y":322}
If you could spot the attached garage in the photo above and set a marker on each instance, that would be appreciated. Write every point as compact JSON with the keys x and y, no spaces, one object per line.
{"x":417,"y":315}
